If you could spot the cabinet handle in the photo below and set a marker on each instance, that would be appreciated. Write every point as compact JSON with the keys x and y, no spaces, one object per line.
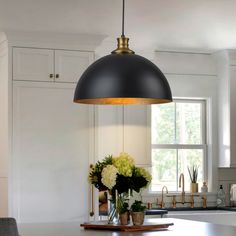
{"x":57,"y":76}
{"x":51,"y":76}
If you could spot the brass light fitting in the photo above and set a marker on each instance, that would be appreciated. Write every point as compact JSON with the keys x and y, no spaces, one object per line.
{"x":123,"y":46}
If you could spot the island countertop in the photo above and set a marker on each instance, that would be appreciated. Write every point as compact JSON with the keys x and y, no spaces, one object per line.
{"x":180,"y":228}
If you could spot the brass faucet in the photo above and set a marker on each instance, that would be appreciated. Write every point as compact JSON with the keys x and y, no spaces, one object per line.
{"x":162,"y":196}
{"x":162,"y":203}
{"x":181,"y":179}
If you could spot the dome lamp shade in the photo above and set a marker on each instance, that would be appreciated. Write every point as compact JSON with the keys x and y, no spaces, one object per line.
{"x":122,"y":78}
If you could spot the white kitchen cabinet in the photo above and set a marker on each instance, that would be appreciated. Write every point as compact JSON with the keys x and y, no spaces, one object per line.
{"x":33,"y":64}
{"x":51,"y":137}
{"x":50,"y":153}
{"x":124,"y":129}
{"x":227,"y":108}
{"x":137,"y":134}
{"x":4,"y":137}
{"x":47,"y":141}
{"x":48,"y":65}
{"x":69,"y":65}
{"x":109,"y":130}
{"x":232,"y":115}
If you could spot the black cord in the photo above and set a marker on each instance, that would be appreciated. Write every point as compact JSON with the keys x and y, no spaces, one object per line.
{"x":123,"y":19}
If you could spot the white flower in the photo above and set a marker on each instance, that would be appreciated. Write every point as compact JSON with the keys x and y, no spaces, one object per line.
{"x":109,"y":174}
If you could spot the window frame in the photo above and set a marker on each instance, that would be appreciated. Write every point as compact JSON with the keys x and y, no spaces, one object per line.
{"x":175,"y":146}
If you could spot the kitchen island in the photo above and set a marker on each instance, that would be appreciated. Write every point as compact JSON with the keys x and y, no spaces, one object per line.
{"x":180,"y":228}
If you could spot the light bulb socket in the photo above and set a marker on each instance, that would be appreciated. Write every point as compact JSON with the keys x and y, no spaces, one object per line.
{"x":122,"y":46}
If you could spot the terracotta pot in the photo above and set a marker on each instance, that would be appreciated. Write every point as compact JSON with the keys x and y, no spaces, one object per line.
{"x":124,"y":218}
{"x":138,"y":218}
{"x":194,"y":187}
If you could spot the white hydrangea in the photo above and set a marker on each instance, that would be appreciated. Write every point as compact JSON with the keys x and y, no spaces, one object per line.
{"x":109,"y":174}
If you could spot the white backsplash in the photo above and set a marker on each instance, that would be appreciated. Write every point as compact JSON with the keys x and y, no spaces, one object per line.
{"x":168,"y":198}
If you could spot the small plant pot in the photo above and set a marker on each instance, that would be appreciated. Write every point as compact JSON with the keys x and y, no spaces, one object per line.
{"x":194,"y":187}
{"x":138,"y":217}
{"x":124,"y":218}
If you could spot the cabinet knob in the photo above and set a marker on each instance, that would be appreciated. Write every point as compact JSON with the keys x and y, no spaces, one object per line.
{"x":57,"y":76}
{"x":50,"y":75}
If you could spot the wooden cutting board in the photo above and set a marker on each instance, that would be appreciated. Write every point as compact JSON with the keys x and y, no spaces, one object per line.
{"x":102,"y":225}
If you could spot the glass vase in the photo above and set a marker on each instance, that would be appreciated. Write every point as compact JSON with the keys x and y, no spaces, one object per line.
{"x":117,"y":205}
{"x":113,"y":217}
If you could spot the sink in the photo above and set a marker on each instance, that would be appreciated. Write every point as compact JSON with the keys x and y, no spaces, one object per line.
{"x":156,"y":212}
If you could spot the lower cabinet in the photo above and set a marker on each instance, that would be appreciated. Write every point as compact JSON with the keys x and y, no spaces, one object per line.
{"x":50,"y":153}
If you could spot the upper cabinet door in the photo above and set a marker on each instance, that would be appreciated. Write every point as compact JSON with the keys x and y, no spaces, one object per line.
{"x":69,"y":65}
{"x":33,"y":64}
{"x":137,"y":133}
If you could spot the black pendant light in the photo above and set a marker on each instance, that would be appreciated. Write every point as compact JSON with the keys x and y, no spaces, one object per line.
{"x":122,"y":78}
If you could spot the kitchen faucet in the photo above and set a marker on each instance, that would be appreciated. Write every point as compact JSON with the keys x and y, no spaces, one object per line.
{"x":162,"y":204}
{"x":181,"y":180}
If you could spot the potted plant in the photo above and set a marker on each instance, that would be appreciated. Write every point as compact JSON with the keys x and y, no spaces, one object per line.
{"x":138,"y":212}
{"x":193,"y":177}
{"x":123,"y":211}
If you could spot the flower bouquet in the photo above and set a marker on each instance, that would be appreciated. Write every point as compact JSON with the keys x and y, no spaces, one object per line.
{"x":120,"y":177}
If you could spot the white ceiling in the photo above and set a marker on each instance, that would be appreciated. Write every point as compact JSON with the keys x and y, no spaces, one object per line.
{"x":197,"y":25}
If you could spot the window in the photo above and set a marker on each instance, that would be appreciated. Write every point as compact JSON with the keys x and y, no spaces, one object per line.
{"x":178,"y":142}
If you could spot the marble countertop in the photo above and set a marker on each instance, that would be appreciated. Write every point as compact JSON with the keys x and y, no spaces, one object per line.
{"x":180,"y":227}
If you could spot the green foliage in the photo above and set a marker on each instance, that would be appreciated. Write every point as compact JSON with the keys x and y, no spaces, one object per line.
{"x":136,"y":182}
{"x":164,"y":162}
{"x":123,"y":184}
{"x":124,"y":208}
{"x":121,"y":202}
{"x":163,"y":122}
{"x":95,"y":175}
{"x":178,"y":122}
{"x":137,"y":206}
{"x":193,"y":175}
